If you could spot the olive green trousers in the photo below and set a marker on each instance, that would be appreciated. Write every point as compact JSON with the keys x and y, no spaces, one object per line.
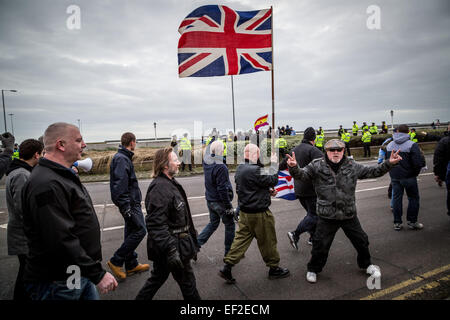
{"x":261,"y":226}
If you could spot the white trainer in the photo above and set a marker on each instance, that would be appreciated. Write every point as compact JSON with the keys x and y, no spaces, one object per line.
{"x":311,"y":277}
{"x":374,"y":271}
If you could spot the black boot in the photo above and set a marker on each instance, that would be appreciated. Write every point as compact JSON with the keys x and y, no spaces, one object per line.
{"x":277,"y":273}
{"x":225,"y":273}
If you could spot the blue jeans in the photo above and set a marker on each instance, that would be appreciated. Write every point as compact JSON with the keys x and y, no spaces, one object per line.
{"x":412,"y":191}
{"x":217,"y":212}
{"x":135,"y":231}
{"x":309,"y":222}
{"x":58,"y":290}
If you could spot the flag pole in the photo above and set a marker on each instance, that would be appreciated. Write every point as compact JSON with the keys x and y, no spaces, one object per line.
{"x":273,"y":92}
{"x":232,"y":99}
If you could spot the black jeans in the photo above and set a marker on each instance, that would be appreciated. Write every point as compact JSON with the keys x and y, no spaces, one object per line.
{"x":347,"y":147}
{"x":19,"y":290}
{"x":323,"y":238}
{"x":184,"y":277}
{"x":309,"y":222}
{"x":135,"y":231}
{"x":366,"y":149}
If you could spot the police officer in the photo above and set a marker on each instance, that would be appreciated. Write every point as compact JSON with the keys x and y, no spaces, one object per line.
{"x":281,"y":144}
{"x":373,"y":128}
{"x":172,"y":238}
{"x":355,"y":128}
{"x":366,"y":139}
{"x":186,"y":148}
{"x":412,"y":135}
{"x":345,"y":137}
{"x":319,"y":140}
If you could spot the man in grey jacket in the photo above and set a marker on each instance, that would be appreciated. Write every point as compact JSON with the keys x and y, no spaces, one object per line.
{"x":334,"y":178}
{"x":17,"y":175}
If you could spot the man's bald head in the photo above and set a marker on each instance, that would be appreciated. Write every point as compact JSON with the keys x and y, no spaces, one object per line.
{"x":56,"y":131}
{"x":217,"y":148}
{"x":251,"y":152}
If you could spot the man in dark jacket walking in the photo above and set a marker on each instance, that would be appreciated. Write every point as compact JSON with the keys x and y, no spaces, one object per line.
{"x":254,"y":190}
{"x":61,"y":225}
{"x":172,"y":238}
{"x":18,"y":174}
{"x":126,"y":195}
{"x":334,"y":179}
{"x":219,"y":194}
{"x":404,"y":178}
{"x":7,"y":140}
{"x":305,"y":152}
{"x":441,"y":161}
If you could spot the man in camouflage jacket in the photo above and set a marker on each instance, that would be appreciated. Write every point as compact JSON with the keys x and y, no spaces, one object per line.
{"x":334,"y":178}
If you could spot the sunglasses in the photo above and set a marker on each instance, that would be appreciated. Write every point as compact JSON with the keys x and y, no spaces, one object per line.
{"x":336,"y":149}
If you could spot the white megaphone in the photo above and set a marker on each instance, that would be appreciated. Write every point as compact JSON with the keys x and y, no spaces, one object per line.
{"x":85,"y":164}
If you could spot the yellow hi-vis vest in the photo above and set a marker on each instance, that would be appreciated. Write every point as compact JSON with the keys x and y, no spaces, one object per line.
{"x":365,"y":127}
{"x":367,"y":137}
{"x":373,"y":130}
{"x":319,"y":140}
{"x":355,"y":128}
{"x":15,"y":155}
{"x":346,"y":137}
{"x":281,"y":143}
{"x":185,"y":144}
{"x":208,"y":141}
{"x":412,"y":136}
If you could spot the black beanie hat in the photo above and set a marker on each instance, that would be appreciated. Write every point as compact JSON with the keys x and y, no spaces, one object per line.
{"x":309,"y":134}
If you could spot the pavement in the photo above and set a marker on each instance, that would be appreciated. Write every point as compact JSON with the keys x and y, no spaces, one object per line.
{"x":414,"y":264}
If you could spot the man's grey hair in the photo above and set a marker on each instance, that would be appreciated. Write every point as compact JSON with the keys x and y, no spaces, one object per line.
{"x":54,"y":132}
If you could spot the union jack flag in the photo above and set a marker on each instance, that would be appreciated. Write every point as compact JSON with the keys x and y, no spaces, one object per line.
{"x":285,"y":187}
{"x":216,"y":41}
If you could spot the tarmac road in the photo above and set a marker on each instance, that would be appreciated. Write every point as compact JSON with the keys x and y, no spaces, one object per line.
{"x":411,"y":262}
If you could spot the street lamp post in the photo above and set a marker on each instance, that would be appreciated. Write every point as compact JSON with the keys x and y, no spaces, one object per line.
{"x":154,"y":124}
{"x":12,"y":124}
{"x":392,"y":120}
{"x":4,"y":112}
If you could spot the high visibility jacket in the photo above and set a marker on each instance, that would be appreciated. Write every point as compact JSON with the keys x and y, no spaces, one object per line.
{"x":319,"y":140}
{"x":412,"y":136}
{"x":224,"y":148}
{"x":185,"y":144}
{"x":365,"y":127}
{"x":346,"y":137}
{"x":355,"y":128}
{"x":208,"y":141}
{"x":15,"y":155}
{"x":373,"y":129}
{"x":367,"y":137}
{"x":230,"y":138}
{"x":281,"y":143}
{"x":322,"y":132}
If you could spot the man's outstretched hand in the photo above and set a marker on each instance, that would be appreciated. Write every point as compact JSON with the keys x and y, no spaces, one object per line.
{"x":395,"y":157}
{"x":291,"y":162}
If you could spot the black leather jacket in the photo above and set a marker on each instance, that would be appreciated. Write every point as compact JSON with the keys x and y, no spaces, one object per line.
{"x":253,"y":187}
{"x":168,"y":212}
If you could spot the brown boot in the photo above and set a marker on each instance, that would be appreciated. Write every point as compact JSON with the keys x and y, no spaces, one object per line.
{"x":139,"y":268}
{"x":117,"y":271}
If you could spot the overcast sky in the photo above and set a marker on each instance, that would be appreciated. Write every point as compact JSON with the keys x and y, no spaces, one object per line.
{"x":119,"y":71}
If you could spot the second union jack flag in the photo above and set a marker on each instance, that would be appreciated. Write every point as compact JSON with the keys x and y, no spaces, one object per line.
{"x":216,"y":41}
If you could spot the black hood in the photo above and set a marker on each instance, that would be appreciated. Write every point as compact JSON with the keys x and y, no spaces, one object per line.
{"x":16,"y":164}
